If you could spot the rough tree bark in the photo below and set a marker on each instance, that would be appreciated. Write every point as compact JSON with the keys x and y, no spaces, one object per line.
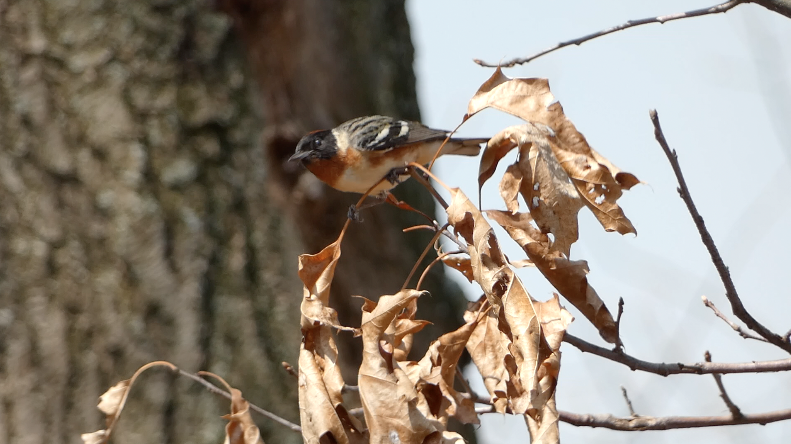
{"x":146,"y":212}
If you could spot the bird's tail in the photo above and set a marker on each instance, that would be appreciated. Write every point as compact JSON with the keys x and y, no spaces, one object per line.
{"x":463,"y":147}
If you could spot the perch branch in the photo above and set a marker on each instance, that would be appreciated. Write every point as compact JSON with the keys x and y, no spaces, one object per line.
{"x":725,"y":276}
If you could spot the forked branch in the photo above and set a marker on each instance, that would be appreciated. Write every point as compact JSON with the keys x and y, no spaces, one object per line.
{"x":719,"y":264}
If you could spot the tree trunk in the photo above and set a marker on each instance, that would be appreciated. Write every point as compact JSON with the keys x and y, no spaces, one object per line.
{"x":146,"y":212}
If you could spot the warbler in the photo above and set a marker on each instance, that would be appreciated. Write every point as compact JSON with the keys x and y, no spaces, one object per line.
{"x":360,"y":153}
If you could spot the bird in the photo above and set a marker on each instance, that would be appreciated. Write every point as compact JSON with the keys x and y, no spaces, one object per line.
{"x":358,"y":154}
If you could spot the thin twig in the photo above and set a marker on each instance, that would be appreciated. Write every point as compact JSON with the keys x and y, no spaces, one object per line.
{"x":464,"y":382}
{"x":734,"y":409}
{"x":736,"y":327}
{"x":665,"y":369}
{"x":423,"y":255}
{"x":723,"y":7}
{"x":725,"y":276}
{"x":619,"y":344}
{"x":428,"y":186}
{"x":628,"y":402}
{"x":218,"y":391}
{"x":430,"y":265}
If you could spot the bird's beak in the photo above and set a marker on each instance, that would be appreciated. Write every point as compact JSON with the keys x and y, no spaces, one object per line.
{"x":300,"y":155}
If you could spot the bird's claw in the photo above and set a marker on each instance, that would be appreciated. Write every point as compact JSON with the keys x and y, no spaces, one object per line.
{"x":354,"y":214}
{"x":394,"y":175}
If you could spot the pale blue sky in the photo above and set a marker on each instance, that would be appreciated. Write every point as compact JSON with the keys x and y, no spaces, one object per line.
{"x":722,"y":87}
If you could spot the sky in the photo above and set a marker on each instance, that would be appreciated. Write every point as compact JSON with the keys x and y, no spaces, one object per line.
{"x":722,"y":87}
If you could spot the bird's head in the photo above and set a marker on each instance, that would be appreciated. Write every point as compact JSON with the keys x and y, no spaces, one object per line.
{"x":315,"y":145}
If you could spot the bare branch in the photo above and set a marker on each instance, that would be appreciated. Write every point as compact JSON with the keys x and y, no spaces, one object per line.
{"x":666,"y":369}
{"x":782,"y":7}
{"x":723,"y":7}
{"x":218,"y":391}
{"x":734,"y":409}
{"x":640,"y":423}
{"x":464,"y":383}
{"x":738,"y":328}
{"x":725,"y":276}
{"x":669,"y":422}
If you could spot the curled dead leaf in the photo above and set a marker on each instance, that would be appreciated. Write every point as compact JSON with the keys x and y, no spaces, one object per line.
{"x":462,"y":264}
{"x":567,"y":276}
{"x":598,"y":182}
{"x":390,"y":400}
{"x":320,"y":383}
{"x":97,"y":437}
{"x":110,"y":401}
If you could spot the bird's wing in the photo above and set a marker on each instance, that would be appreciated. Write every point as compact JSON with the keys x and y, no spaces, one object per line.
{"x":378,"y":133}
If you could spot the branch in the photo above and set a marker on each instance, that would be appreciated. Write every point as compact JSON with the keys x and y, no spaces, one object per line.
{"x":723,"y":7}
{"x":725,"y":276}
{"x":640,"y":423}
{"x":666,"y":369}
{"x":669,"y":422}
{"x":737,"y":328}
{"x":218,"y":391}
{"x":782,"y":7}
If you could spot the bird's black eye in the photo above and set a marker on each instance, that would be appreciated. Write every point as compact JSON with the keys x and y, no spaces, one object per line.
{"x":316,"y":143}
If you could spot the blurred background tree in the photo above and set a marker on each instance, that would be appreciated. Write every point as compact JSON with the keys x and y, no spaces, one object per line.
{"x":147,"y":211}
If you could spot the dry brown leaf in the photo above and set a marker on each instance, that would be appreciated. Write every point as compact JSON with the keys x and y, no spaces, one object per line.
{"x":110,"y":401}
{"x":389,"y":399}
{"x":489,"y":264}
{"x":548,"y":192}
{"x":488,"y":346}
{"x":241,"y":428}
{"x":403,"y":336}
{"x":111,"y":404}
{"x":597,"y":181}
{"x":511,"y":305}
{"x":543,"y":423}
{"x":97,"y":437}
{"x":322,"y":414}
{"x":567,"y":276}
{"x":444,"y":438}
{"x":510,"y":185}
{"x":434,"y":375}
{"x":462,"y":264}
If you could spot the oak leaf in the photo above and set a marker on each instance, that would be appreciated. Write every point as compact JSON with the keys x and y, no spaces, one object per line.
{"x":394,"y":410}
{"x":567,"y":276}
{"x":597,"y":181}
{"x":322,"y":414}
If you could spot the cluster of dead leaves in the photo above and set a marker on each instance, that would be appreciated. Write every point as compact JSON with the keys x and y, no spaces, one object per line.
{"x":513,"y":339}
{"x":557,"y":173}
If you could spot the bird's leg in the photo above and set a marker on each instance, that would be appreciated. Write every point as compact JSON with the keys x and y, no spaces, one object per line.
{"x":394,"y":175}
{"x":354,"y":210}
